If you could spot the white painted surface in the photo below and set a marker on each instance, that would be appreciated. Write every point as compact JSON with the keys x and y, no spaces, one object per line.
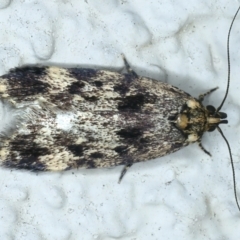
{"x":186,"y":195}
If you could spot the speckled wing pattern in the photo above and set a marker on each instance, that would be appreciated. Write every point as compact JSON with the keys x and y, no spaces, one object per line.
{"x":85,"y":118}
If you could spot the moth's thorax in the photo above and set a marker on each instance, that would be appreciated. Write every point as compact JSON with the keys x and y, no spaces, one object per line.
{"x":194,"y":119}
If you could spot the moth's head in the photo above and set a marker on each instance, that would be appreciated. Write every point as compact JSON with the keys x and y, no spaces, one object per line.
{"x":194,"y":119}
{"x":214,"y":118}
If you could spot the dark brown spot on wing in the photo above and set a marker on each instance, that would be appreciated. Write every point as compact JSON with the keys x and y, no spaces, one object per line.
{"x":26,"y":81}
{"x":25,"y":153}
{"x":32,"y":164}
{"x":131,"y":103}
{"x":76,"y":149}
{"x":98,"y":83}
{"x":130,"y":133}
{"x":96,"y":155}
{"x":121,"y":150}
{"x":76,"y":87}
{"x":26,"y":148}
{"x":27,"y":71}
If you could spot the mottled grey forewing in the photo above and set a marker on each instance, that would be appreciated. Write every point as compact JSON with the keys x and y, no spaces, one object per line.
{"x":115,"y":118}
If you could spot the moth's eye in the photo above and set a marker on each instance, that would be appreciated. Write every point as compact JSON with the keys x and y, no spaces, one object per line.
{"x":211,"y":109}
{"x":222,"y":115}
{"x":212,"y":128}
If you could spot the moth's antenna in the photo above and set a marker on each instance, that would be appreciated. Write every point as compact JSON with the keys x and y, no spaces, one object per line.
{"x":233,"y":171}
{"x":218,"y":109}
{"x":228,"y":57}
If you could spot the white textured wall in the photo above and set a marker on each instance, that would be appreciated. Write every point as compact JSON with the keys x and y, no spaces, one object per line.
{"x":186,"y":195}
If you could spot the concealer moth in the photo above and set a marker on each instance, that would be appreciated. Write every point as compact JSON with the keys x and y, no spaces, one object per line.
{"x":65,"y":118}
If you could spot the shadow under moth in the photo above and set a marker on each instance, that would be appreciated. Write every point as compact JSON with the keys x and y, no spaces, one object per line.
{"x":60,"y":119}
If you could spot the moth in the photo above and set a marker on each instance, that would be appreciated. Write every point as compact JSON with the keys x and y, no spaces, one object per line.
{"x":60,"y":119}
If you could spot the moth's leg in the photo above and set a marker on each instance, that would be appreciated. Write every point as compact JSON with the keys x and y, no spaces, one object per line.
{"x":201,"y":146}
{"x":201,"y":97}
{"x":126,"y":167}
{"x":127,"y":66}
